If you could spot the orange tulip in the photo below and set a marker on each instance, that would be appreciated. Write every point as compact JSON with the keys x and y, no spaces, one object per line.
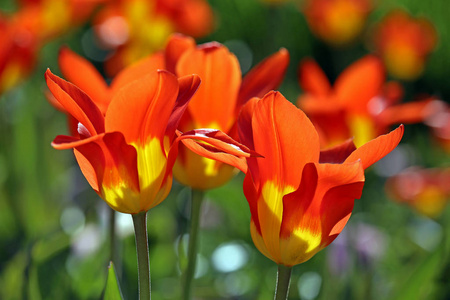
{"x":426,"y":190}
{"x":138,"y":27}
{"x":18,"y":49}
{"x":218,"y":101}
{"x":359,"y":105}
{"x":404,"y":43}
{"x":300,"y":198}
{"x":127,"y":154}
{"x":337,"y":22}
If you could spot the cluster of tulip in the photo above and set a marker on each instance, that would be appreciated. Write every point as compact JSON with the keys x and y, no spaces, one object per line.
{"x":126,"y":136}
{"x":175,"y":109}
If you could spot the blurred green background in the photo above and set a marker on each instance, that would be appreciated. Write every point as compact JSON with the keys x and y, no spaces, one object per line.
{"x":53,"y":227}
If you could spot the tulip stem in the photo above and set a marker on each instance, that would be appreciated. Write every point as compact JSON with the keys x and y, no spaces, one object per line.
{"x":112,"y":235}
{"x":140,"y":231}
{"x":283,"y":281}
{"x":196,"y":204}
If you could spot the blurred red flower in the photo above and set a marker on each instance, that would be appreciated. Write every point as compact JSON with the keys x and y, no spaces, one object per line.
{"x":426,"y":190}
{"x":404,"y":43}
{"x":360,"y":104}
{"x":337,"y":22}
{"x":135,"y":28}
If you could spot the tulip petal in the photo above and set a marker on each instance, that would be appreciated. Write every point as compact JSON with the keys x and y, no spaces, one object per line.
{"x":337,"y":154}
{"x":337,"y":206}
{"x":246,"y":136}
{"x":141,"y":110}
{"x":359,"y":83}
{"x":83,"y":74}
{"x":315,"y":209}
{"x":214,"y":103}
{"x":76,"y":103}
{"x":312,"y":79}
{"x":251,"y":194}
{"x":412,"y":112}
{"x":138,"y":70}
{"x":376,"y":149}
{"x":296,"y":203}
{"x":188,"y":85}
{"x":62,"y":142}
{"x":215,"y":144}
{"x":264,"y":77}
{"x":110,"y":166}
{"x":285,"y":137}
{"x":176,"y":46}
{"x":245,"y":122}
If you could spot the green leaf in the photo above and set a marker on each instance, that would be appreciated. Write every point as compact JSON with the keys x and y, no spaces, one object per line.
{"x":112,"y":289}
{"x":423,"y":279}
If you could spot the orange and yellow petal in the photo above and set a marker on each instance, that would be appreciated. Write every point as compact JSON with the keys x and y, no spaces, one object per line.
{"x":376,"y":149}
{"x":110,"y":166}
{"x":264,"y":77}
{"x":83,"y":74}
{"x":141,"y":110}
{"x":76,"y":103}
{"x":215,"y":100}
{"x":275,"y":125}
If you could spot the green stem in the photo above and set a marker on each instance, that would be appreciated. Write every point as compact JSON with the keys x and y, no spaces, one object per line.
{"x":112,"y":235}
{"x":140,"y":232}
{"x":196,"y":204}
{"x":283,"y":281}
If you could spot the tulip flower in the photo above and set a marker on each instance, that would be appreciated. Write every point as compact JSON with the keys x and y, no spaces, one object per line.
{"x":217,"y":104}
{"x":300,"y":198}
{"x":426,"y":190}
{"x":353,"y":107}
{"x":138,"y":27}
{"x":404,"y":43}
{"x":337,"y":22}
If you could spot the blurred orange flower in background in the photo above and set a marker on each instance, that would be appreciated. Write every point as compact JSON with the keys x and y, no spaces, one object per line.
{"x":58,"y":16}
{"x":426,"y":190}
{"x":404,"y":43}
{"x":337,"y":22}
{"x":360,"y":104}
{"x":35,"y":23}
{"x":300,"y":198}
{"x":136,"y":28}
{"x":19,"y":44}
